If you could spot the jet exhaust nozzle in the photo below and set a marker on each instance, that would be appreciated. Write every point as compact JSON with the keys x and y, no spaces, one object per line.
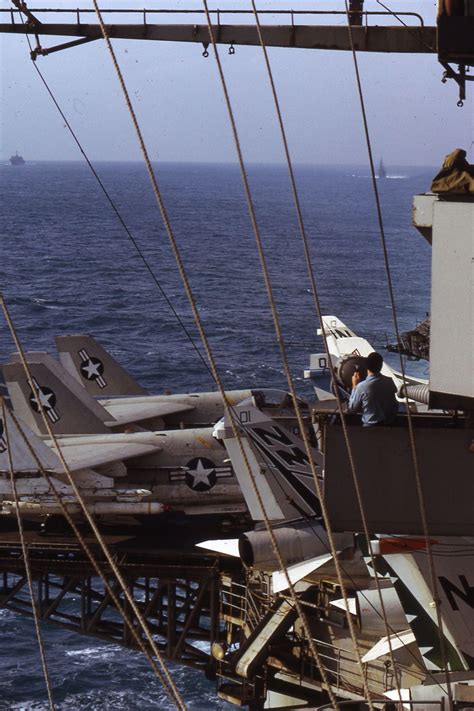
{"x":296,"y":542}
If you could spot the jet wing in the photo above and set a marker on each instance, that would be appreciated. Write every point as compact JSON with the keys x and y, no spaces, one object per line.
{"x":125,"y":410}
{"x":397,"y":640}
{"x":91,"y":451}
{"x":297,"y":572}
{"x":229,"y":546}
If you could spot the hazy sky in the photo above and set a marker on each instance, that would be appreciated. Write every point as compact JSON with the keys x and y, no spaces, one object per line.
{"x":413,"y":117}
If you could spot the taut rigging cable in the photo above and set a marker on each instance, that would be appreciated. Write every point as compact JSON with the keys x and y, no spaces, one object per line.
{"x":26,"y":559}
{"x":163,"y":674}
{"x":99,"y":572}
{"x":116,"y":210}
{"x":317,"y":305}
{"x":228,"y":409}
{"x":197,"y":318}
{"x":281,"y":344}
{"x":419,"y":484}
{"x":201,"y":356}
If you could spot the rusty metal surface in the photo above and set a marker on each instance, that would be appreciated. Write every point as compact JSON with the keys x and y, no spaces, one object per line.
{"x":367,"y":39}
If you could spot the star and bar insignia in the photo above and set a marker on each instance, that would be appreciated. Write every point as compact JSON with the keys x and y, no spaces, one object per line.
{"x":200,"y":474}
{"x":92,"y":368}
{"x":46,"y":399}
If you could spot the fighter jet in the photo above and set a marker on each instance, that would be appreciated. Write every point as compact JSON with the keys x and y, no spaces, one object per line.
{"x":185,"y":471}
{"x":404,"y":560}
{"x":153,"y":412}
{"x":347,"y":354}
{"x":400,"y":603}
{"x":278,"y":465}
{"x":189,"y":470}
{"x":91,"y":461}
{"x":120,"y":394}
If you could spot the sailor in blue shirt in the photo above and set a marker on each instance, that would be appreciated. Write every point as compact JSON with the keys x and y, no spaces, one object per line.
{"x":374,"y":397}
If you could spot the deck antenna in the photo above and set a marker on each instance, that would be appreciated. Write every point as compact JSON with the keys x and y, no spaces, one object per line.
{"x":419,"y":485}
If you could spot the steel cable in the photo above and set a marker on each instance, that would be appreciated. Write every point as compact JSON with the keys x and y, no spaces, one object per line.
{"x":281,"y":343}
{"x":189,"y":292}
{"x":116,"y":210}
{"x":318,"y":310}
{"x":170,"y":685}
{"x":85,"y":547}
{"x":419,"y":484}
{"x":24,"y":548}
{"x":204,"y":338}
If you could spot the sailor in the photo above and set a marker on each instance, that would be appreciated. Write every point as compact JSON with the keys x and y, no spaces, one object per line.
{"x":374,"y":397}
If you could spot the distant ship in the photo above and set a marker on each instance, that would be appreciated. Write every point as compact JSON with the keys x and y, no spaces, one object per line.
{"x":382,"y":173}
{"x":17,"y":159}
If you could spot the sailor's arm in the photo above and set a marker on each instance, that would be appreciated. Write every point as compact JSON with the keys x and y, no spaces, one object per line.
{"x":355,"y":400}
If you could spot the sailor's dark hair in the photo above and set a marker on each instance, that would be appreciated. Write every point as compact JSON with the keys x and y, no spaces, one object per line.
{"x":374,"y":362}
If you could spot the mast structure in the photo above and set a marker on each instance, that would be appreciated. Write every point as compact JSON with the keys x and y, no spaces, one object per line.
{"x":450,"y":39}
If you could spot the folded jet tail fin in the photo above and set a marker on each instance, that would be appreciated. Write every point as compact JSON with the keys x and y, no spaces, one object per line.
{"x":21,"y":449}
{"x":68,"y":381}
{"x":453,"y":564}
{"x":278,"y":463}
{"x":94,"y":368}
{"x":342,"y":342}
{"x":66,"y":411}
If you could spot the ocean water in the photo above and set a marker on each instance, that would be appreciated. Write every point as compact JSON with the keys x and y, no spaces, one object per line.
{"x":67,"y":266}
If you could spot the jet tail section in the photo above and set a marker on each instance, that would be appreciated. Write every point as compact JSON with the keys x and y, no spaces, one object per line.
{"x":279,"y":463}
{"x":342,"y":341}
{"x":68,"y":381}
{"x":66,"y":412}
{"x":22,"y":449}
{"x":454,"y":566}
{"x":94,"y":368}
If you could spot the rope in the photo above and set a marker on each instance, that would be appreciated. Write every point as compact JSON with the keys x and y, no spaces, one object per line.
{"x":202,"y":333}
{"x":87,"y":550}
{"x":26,"y":558}
{"x":419,"y":485}
{"x":200,"y":326}
{"x":367,"y":601}
{"x":176,"y":696}
{"x":227,"y":406}
{"x":317,"y":305}
{"x":280,"y":336}
{"x":303,"y":428}
{"x":116,"y":210}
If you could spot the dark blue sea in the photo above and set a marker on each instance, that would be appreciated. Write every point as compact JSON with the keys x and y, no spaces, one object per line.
{"x":68,"y":266}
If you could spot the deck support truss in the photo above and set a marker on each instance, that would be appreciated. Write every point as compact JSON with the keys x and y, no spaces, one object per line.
{"x":179,"y":605}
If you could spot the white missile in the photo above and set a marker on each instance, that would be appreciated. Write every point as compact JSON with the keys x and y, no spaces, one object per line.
{"x":145,"y":508}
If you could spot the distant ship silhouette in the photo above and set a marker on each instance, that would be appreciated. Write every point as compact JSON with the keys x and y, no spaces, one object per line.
{"x":17,"y":159}
{"x":382,"y":173}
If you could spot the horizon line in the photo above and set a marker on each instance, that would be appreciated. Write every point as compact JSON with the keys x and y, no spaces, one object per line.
{"x":224,"y":163}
